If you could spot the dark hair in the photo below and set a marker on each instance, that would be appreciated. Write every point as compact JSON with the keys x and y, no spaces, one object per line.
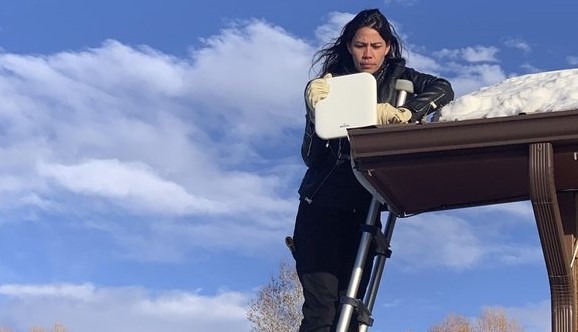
{"x":334,"y":55}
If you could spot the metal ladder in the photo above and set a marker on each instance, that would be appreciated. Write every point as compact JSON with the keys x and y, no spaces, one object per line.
{"x":370,"y":234}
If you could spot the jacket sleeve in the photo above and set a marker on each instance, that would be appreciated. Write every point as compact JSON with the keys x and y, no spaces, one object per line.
{"x":314,"y":149}
{"x":430,"y":93}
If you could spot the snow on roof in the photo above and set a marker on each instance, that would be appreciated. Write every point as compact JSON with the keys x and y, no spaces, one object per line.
{"x":541,"y":92}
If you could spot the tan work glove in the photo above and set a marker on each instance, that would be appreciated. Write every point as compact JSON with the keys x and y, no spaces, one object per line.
{"x":387,"y":114}
{"x":317,"y":90}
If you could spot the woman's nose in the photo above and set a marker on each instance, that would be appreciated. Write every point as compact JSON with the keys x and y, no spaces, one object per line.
{"x":367,"y":53}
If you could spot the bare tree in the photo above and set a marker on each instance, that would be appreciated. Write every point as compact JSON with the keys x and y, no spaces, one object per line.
{"x":277,"y":307}
{"x":495,"y":320}
{"x":57,"y":328}
{"x":453,"y":323}
{"x":491,"y":320}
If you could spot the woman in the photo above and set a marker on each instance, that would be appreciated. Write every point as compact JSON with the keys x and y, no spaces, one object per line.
{"x":333,"y":204}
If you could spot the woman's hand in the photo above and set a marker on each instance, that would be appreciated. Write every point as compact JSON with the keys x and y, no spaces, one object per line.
{"x":387,"y":114}
{"x":317,"y":90}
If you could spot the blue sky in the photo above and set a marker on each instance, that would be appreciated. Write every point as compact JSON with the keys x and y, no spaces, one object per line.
{"x":149,"y":160}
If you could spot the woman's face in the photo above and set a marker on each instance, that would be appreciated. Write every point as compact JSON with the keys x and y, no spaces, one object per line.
{"x":368,"y":50}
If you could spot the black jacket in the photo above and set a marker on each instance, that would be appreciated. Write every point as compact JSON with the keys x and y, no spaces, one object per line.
{"x":329,"y":179}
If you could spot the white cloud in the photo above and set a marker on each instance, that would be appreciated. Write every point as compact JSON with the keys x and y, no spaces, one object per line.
{"x":472,"y":54}
{"x":90,"y":308}
{"x":402,"y":2}
{"x":253,"y":94}
{"x":453,"y":240}
{"x":530,"y":68}
{"x":572,"y":60}
{"x":143,"y":108}
{"x":132,"y":182}
{"x":179,"y":304}
{"x":533,"y":317}
{"x":424,"y":64}
{"x":83,"y":292}
{"x":118,"y":131}
{"x":332,"y":29}
{"x":480,"y":54}
{"x":436,"y":241}
{"x":470,"y":78}
{"x":519,"y":44}
{"x":521,"y":210}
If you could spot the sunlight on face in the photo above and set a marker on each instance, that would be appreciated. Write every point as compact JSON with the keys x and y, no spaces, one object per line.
{"x":368,"y":50}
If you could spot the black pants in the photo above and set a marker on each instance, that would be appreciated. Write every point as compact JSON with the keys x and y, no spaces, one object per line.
{"x":326,"y":243}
